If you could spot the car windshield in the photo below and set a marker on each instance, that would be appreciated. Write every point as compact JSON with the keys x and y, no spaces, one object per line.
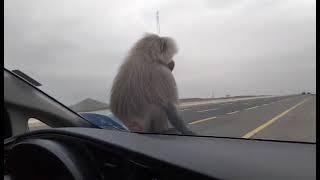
{"x":243,"y":69}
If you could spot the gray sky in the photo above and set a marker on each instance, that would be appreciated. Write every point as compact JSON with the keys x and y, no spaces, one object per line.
{"x":236,"y":47}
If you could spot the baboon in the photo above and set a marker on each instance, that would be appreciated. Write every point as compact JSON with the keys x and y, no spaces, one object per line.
{"x":144,"y":92}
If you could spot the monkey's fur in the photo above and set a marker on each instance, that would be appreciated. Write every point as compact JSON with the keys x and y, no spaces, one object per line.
{"x":144,"y":92}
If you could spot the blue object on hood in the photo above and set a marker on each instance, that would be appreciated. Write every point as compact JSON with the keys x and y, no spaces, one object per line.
{"x":103,"y":121}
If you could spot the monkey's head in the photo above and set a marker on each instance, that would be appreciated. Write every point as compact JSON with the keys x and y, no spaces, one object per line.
{"x":156,"y":49}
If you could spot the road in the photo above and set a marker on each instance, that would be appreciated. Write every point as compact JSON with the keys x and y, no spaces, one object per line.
{"x":289,"y":118}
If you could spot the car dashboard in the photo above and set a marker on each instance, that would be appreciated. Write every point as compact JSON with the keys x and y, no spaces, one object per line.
{"x":88,"y":153}
{"x":44,"y":155}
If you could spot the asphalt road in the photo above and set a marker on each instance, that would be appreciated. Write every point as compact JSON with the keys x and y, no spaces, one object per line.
{"x":289,"y":118}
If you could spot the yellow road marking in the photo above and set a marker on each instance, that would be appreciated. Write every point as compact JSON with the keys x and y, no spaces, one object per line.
{"x":261,"y":127}
{"x":202,"y":120}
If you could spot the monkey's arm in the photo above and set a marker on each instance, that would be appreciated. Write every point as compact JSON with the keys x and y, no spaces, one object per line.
{"x":176,"y":120}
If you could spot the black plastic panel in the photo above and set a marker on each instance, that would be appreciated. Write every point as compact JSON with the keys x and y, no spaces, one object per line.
{"x":221,"y":158}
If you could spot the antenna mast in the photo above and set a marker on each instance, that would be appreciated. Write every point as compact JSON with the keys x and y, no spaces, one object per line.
{"x":158,"y":23}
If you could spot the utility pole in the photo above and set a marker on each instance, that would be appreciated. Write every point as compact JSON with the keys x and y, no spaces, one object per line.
{"x":158,"y":22}
{"x":212,"y":94}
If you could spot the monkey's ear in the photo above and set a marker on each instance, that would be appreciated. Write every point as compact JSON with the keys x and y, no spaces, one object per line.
{"x":163,"y":45}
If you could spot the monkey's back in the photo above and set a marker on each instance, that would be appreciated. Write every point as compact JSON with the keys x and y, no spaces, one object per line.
{"x":139,"y":85}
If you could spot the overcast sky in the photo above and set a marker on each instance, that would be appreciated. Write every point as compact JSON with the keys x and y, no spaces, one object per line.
{"x":236,"y":47}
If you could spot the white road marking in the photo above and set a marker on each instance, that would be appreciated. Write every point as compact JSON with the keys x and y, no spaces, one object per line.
{"x":184,"y":109}
{"x":233,"y":112}
{"x":202,"y":120}
{"x":252,"y":107}
{"x":226,"y":104}
{"x":208,"y":110}
{"x":245,"y":103}
{"x":265,"y":104}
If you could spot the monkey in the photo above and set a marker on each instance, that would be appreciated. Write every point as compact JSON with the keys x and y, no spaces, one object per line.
{"x":144,"y":93}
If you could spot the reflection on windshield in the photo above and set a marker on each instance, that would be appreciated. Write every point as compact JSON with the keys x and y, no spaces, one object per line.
{"x":243,"y":69}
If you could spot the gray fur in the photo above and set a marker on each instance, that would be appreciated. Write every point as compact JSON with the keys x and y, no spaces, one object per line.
{"x":144,"y":85}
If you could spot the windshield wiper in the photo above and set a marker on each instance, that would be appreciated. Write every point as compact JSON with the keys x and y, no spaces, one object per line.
{"x":26,"y":77}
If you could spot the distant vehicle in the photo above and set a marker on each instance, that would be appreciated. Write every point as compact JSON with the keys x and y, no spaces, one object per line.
{"x":308,"y":93}
{"x":303,"y":93}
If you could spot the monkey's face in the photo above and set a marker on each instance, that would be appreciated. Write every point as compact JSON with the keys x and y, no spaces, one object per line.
{"x":171,"y":65}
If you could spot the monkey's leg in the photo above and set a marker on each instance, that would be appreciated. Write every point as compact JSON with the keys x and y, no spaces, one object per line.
{"x":176,"y":120}
{"x":157,"y":117}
